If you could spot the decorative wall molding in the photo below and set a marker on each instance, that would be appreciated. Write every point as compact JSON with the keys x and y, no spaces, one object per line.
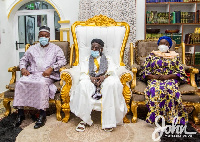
{"x":16,"y":4}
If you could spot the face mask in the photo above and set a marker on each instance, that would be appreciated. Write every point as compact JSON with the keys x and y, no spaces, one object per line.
{"x":95,"y":54}
{"x":43,"y":41}
{"x":163,"y":48}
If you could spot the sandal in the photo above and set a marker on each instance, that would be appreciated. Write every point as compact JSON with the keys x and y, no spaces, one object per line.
{"x":108,"y":129}
{"x":81,"y":127}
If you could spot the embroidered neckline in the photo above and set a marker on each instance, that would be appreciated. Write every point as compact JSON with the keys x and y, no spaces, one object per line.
{"x":170,"y":55}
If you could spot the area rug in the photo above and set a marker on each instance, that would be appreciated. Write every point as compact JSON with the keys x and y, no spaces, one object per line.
{"x":56,"y":131}
{"x":8,"y":132}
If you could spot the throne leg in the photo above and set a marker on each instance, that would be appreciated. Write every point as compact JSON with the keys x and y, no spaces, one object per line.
{"x":196,"y":112}
{"x":58,"y":109}
{"x":125,"y":119}
{"x":6,"y":103}
{"x":134,"y":106}
{"x":65,"y":95}
{"x":126,"y":93}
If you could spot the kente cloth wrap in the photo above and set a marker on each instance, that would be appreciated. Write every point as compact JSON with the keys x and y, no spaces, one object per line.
{"x":163,"y":97}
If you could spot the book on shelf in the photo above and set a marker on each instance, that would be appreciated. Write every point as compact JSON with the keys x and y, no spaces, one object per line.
{"x":178,"y":16}
{"x":151,"y":1}
{"x":188,"y":58}
{"x":192,"y":38}
{"x":198,"y":16}
{"x":175,"y":36}
{"x":187,"y":38}
{"x":197,"y":58}
{"x":151,"y":17}
{"x":173,"y":18}
{"x":154,"y":17}
{"x":182,"y":17}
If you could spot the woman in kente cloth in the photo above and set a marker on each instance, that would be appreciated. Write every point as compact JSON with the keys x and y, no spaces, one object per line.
{"x":164,"y":72}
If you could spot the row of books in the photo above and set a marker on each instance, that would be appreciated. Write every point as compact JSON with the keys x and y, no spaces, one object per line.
{"x":151,"y":1}
{"x":175,"y":36}
{"x":197,"y":58}
{"x":191,"y":58}
{"x":182,"y":17}
{"x":188,"y":58}
{"x":154,"y":17}
{"x":198,"y":16}
{"x":192,"y":38}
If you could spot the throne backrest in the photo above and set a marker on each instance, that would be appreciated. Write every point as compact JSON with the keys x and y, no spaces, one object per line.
{"x":114,"y":34}
{"x":64,"y":45}
{"x":144,"y":47}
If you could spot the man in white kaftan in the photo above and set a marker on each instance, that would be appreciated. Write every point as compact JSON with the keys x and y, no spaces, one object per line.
{"x":101,"y":73}
{"x":40,"y":69}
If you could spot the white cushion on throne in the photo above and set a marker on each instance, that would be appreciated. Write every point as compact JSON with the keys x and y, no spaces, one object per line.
{"x":112,"y":36}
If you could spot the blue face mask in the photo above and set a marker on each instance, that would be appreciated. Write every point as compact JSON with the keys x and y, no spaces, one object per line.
{"x":95,"y":54}
{"x":43,"y":41}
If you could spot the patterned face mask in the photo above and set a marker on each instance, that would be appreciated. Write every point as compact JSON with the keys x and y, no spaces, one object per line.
{"x":43,"y":41}
{"x":95,"y":54}
{"x":163,"y":48}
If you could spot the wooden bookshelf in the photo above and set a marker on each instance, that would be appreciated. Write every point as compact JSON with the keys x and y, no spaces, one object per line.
{"x":184,"y":28}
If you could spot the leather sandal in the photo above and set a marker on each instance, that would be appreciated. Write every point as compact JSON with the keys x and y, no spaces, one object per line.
{"x":108,"y":129}
{"x":81,"y":127}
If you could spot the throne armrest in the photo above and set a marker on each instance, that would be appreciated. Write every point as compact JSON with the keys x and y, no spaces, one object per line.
{"x":70,"y":77}
{"x":64,"y":67}
{"x":193,"y":71}
{"x":125,"y":77}
{"x":134,"y":70}
{"x":73,"y":73}
{"x":123,"y":72}
{"x":186,"y":67}
{"x":13,"y":70}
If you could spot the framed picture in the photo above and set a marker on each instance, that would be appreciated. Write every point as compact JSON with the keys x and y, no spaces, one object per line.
{"x":44,"y":20}
{"x":29,"y":29}
{"x":44,"y":5}
{"x":37,"y":5}
{"x":38,"y":20}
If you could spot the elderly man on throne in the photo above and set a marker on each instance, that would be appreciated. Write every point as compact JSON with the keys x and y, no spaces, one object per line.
{"x":98,"y":81}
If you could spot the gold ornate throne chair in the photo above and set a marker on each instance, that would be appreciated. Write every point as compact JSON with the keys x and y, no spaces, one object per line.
{"x":189,"y":91}
{"x":9,"y":94}
{"x":115,"y":35}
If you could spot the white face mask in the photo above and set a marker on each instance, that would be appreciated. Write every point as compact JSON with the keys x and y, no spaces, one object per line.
{"x":163,"y":48}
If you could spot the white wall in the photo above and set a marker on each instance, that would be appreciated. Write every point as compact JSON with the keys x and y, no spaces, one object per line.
{"x":140,"y":19}
{"x":7,"y":56}
{"x":68,"y":10}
